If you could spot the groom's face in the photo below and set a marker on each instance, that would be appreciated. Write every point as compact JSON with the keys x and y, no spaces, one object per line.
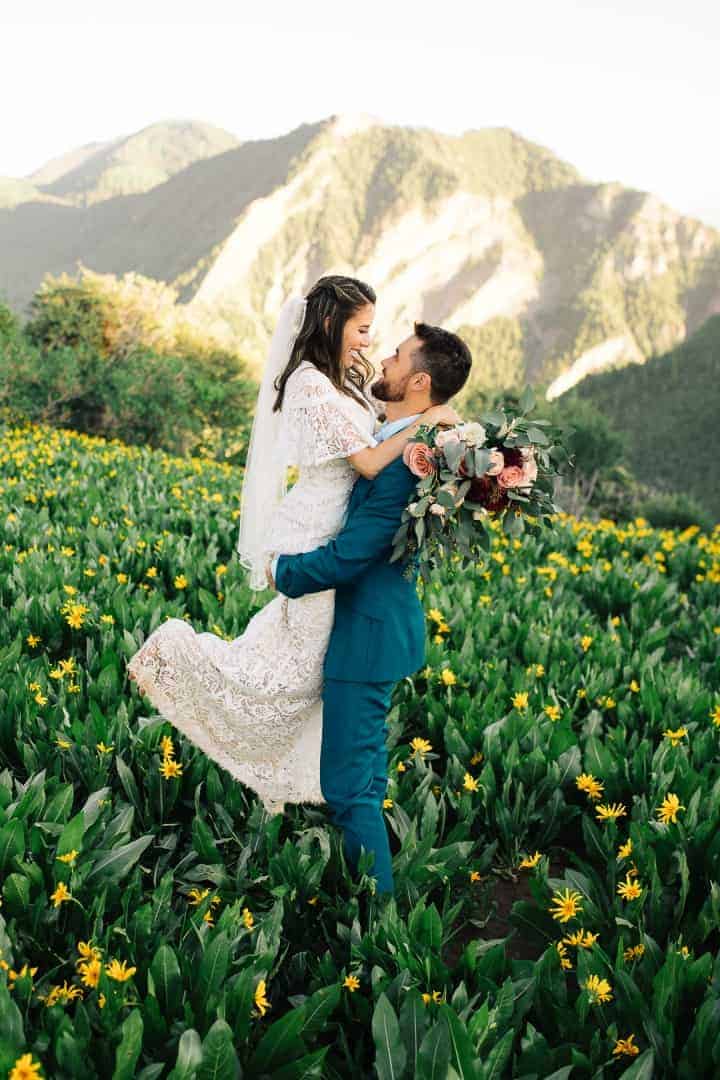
{"x":397,"y":372}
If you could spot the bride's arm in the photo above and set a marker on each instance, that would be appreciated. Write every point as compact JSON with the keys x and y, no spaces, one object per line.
{"x":371,"y":460}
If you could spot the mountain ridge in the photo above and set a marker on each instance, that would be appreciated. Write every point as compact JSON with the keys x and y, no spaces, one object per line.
{"x":474,"y":231}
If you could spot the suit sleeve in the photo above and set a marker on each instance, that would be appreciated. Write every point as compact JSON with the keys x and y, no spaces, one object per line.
{"x":366,"y":538}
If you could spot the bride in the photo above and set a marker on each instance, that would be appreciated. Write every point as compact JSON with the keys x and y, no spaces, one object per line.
{"x":253,"y":704}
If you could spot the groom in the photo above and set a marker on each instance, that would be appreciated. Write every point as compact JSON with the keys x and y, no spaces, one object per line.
{"x":378,"y":636}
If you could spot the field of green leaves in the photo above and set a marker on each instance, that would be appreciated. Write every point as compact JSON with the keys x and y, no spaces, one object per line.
{"x":554,"y":809}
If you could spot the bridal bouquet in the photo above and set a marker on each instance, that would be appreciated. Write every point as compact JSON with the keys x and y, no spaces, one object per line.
{"x":468,"y":475}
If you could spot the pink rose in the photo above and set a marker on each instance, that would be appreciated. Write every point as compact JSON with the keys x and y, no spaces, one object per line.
{"x":512,"y":476}
{"x":497,"y":463}
{"x":420,"y":459}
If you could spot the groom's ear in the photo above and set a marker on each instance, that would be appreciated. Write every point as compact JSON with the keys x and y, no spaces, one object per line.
{"x":426,"y":383}
{"x":326,"y":324}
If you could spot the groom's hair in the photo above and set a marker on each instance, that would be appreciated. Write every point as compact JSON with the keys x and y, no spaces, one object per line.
{"x":445,"y":357}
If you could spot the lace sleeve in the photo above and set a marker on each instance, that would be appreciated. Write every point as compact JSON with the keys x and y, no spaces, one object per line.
{"x":320,"y":423}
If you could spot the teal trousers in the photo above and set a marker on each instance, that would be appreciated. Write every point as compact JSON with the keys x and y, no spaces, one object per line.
{"x":353,"y":769}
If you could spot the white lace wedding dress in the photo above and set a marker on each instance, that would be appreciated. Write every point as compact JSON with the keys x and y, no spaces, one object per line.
{"x":253,"y":704}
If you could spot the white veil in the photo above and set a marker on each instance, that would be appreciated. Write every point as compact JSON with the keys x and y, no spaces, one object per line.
{"x":265,"y":479}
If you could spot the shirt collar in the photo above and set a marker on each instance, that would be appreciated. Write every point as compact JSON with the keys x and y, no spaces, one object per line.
{"x":391,"y":427}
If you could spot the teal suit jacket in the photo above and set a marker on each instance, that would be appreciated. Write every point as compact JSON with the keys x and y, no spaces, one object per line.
{"x":379,"y":630}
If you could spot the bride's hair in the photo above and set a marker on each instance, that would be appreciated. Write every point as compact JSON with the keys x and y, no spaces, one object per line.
{"x":338,"y":298}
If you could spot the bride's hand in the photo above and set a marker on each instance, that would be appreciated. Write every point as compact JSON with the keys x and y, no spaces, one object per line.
{"x":440,"y":414}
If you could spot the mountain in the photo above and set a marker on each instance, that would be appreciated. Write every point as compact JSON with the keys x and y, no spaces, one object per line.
{"x":59,"y":166}
{"x":132,"y":164}
{"x":548,"y":275}
{"x":667,"y":411}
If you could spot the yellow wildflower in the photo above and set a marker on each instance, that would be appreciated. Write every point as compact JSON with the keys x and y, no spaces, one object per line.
{"x":170,"y":768}
{"x":626,"y":1046}
{"x":581,"y":939}
{"x":118,"y":970}
{"x":586,"y":782}
{"x":625,"y":850}
{"x":352,"y":983}
{"x":553,"y":711}
{"x":668,"y":810}
{"x":675,"y":736}
{"x":33,"y":640}
{"x":610,"y":812}
{"x":599,"y":990}
{"x":25,"y":1068}
{"x":475,"y":876}
{"x":75,"y":615}
{"x":635,"y":686}
{"x":69,"y":856}
{"x":715,"y":715}
{"x":448,"y":677}
{"x":103,"y":748}
{"x":520,"y":700}
{"x":567,"y":905}
{"x":629,"y":889}
{"x":60,"y":894}
{"x":564,"y":959}
{"x":90,"y":971}
{"x":470,"y":783}
{"x":586,"y":641}
{"x":530,"y":861}
{"x":634,"y":952}
{"x":476,"y":759}
{"x":420,"y":746}
{"x":261,"y":1000}
{"x":247,"y":917}
{"x":387,"y":804}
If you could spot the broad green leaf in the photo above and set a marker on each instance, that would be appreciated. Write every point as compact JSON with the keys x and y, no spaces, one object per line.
{"x":114,"y":865}
{"x":219,"y":1059}
{"x":390,"y":1054}
{"x":128,"y":1052}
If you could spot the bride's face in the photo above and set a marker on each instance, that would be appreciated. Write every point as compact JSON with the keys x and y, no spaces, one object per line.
{"x":356,"y":333}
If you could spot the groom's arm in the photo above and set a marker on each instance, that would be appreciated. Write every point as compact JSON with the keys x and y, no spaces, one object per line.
{"x":366,"y":538}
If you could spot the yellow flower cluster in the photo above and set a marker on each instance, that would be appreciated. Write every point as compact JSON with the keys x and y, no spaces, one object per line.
{"x":169,"y":767}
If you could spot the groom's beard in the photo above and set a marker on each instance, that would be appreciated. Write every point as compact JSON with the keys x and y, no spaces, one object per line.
{"x":382,"y":390}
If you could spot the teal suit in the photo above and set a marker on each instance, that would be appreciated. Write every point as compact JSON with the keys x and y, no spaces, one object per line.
{"x":378,"y":637}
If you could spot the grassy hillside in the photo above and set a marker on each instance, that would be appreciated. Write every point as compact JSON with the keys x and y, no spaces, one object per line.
{"x":553,"y":808}
{"x":668,"y":411}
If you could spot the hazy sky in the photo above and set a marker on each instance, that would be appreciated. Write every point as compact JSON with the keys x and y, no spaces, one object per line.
{"x":625,"y":89}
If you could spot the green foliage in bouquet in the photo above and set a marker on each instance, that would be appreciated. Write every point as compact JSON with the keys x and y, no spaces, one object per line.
{"x":502,"y":466}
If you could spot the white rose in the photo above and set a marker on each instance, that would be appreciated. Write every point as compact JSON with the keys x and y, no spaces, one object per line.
{"x":437,"y":509}
{"x":445,"y":436}
{"x":473,"y":434}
